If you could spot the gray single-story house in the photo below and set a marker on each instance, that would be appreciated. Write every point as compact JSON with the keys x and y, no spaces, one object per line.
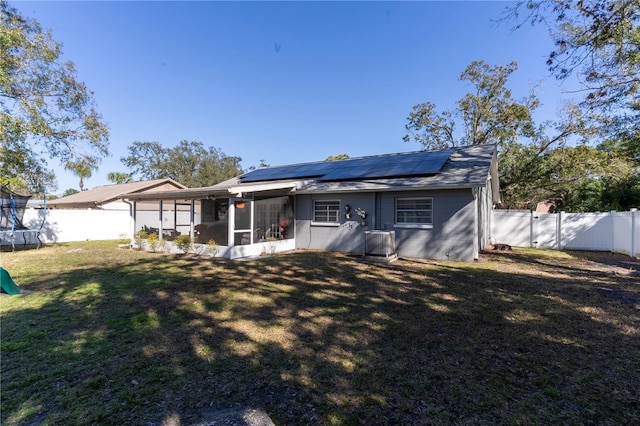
{"x":424,"y":204}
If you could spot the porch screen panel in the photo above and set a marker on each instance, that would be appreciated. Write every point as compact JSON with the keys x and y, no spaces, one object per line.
{"x":272,"y":219}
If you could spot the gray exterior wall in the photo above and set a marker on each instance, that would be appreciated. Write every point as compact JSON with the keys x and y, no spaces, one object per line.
{"x":347,"y":237}
{"x":452,"y":234}
{"x":451,"y":237}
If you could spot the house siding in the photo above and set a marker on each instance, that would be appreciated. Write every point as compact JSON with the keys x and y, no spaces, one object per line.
{"x":451,"y":236}
{"x":348,"y":236}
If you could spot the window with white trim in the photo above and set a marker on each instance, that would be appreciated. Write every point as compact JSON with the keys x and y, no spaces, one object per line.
{"x":414,"y":211}
{"x":326,"y":211}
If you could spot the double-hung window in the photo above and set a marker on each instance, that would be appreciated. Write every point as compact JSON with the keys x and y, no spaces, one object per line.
{"x":414,"y":212}
{"x":326,"y":212}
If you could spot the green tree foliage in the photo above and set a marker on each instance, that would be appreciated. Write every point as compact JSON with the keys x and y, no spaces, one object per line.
{"x":487,"y":115}
{"x":189,"y":163}
{"x":580,"y":178}
{"x":44,"y":110}
{"x":598,"y":42}
{"x":70,"y":191}
{"x":83,"y":169}
{"x":337,"y":157}
{"x":119,"y":177}
{"x":262,"y":164}
{"x":535,"y":164}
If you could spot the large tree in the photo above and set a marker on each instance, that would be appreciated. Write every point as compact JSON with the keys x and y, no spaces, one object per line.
{"x":599,"y":43}
{"x":576,"y":178}
{"x":535,"y":162}
{"x":45,"y":112}
{"x":487,"y":115}
{"x":190,"y":163}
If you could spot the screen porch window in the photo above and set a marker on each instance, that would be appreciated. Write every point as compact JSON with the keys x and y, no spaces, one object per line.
{"x":414,"y":211}
{"x":326,"y":211}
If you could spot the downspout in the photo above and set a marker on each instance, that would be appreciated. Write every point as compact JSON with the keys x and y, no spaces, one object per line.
{"x":476,"y":250}
{"x":160,"y":229}
{"x":132,"y":216}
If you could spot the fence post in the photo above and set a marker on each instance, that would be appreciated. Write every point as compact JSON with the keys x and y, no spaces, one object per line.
{"x":613,"y":230}
{"x":559,"y":223}
{"x":531,"y":229}
{"x":633,"y":232}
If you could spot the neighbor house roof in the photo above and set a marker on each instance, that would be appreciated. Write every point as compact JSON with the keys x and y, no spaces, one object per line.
{"x":464,"y":167}
{"x":101,"y":195}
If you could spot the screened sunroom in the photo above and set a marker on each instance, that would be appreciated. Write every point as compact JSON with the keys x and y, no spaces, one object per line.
{"x":239,"y":223}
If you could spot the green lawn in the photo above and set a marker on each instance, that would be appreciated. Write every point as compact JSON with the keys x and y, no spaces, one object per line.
{"x":114,"y":336}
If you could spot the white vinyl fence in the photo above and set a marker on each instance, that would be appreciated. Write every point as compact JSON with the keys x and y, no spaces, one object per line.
{"x":612,"y":231}
{"x":72,"y":225}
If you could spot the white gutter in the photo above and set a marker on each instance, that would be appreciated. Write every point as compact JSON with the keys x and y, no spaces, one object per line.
{"x":239,"y":190}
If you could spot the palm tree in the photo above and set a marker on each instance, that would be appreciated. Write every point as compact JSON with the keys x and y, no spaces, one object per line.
{"x":83,"y":169}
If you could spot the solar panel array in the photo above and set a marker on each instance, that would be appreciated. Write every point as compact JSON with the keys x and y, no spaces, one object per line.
{"x":377,"y":167}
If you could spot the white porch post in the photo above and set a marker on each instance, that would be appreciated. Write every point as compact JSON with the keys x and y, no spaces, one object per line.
{"x":192,"y":220}
{"x":231,"y":213}
{"x":251,"y":223}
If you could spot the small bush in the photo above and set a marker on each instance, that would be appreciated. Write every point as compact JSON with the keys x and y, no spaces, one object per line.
{"x":183,"y":243}
{"x":212,"y":247}
{"x":140,"y":236}
{"x":155,"y":244}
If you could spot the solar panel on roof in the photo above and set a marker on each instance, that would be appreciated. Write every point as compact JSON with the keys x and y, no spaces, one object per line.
{"x":383,"y":166}
{"x":295,"y":171}
{"x":411,"y":164}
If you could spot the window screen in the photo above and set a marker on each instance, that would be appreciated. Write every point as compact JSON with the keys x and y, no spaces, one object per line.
{"x":414,"y":210}
{"x":326,"y":211}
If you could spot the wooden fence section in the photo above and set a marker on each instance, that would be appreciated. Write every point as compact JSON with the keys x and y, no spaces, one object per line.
{"x":611,"y":231}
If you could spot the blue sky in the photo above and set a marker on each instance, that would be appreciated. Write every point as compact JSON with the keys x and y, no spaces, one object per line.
{"x":283,"y":82}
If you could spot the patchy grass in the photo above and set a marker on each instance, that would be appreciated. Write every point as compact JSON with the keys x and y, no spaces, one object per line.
{"x":112,"y":336}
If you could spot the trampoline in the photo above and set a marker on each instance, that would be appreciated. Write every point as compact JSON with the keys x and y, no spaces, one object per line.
{"x":12,"y":208}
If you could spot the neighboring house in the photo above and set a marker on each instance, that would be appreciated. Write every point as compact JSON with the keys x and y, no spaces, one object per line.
{"x":94,"y":214}
{"x":106,"y":197}
{"x":438,"y":204}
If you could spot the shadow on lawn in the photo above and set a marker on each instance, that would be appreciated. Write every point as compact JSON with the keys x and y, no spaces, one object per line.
{"x":319,"y":338}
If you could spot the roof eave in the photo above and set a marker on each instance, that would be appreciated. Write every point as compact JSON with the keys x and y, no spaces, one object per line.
{"x":177,"y":194}
{"x":466,"y":185}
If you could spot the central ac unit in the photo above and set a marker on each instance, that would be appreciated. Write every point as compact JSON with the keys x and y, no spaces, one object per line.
{"x":380,"y":245}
